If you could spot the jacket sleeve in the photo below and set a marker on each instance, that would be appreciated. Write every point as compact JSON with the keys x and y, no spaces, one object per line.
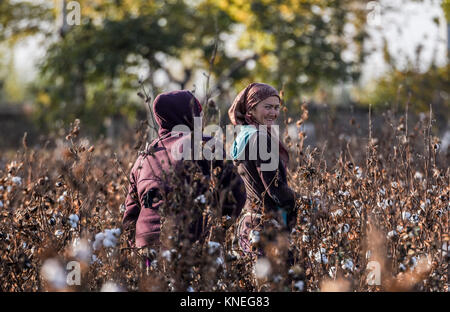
{"x":132,"y":208}
{"x":274,"y":181}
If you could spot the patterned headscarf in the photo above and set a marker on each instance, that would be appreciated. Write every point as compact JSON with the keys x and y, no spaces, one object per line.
{"x":247,"y":99}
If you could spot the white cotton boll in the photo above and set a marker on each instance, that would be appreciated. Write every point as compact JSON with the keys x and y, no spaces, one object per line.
{"x":1,"y":204}
{"x":324,"y":259}
{"x":299,"y":285}
{"x":166,"y":254}
{"x":445,"y":248}
{"x":414,"y":218}
{"x":17,"y":180}
{"x":190,"y":289}
{"x":108,"y":243}
{"x":332,"y":272}
{"x":391,"y":234}
{"x":81,"y":249}
{"x":347,"y":264}
{"x":100,"y":236}
{"x":95,"y":259}
{"x":61,"y":198}
{"x":219,"y":261}
{"x":413,"y":262}
{"x":73,"y":220}
{"x":317,"y":256}
{"x":423,"y":205}
{"x":54,"y":273}
{"x":337,"y":213}
{"x":97,"y":244}
{"x":58,"y":233}
{"x":111,"y":287}
{"x":383,"y":204}
{"x":254,"y":237}
{"x":402,"y":267}
{"x":277,"y":278}
{"x":346,"y":228}
{"x":116,"y":231}
{"x":358,"y":172}
{"x":201,"y":199}
{"x":1,"y":188}
{"x":418,"y":175}
{"x":394,"y":185}
{"x":262,"y":268}
{"x":382,"y":191}
{"x":213,"y":247}
{"x":9,"y":189}
{"x":108,"y":237}
{"x":406,"y":215}
{"x":399,"y":228}
{"x":305,"y":238}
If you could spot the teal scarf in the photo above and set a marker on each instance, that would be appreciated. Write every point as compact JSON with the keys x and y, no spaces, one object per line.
{"x":238,"y":146}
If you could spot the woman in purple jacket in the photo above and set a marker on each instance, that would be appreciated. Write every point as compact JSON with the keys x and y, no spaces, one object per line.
{"x":157,"y":169}
{"x":268,"y":194}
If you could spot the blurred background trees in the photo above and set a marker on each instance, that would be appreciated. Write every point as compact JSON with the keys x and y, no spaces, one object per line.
{"x":412,"y":84}
{"x":93,"y":70}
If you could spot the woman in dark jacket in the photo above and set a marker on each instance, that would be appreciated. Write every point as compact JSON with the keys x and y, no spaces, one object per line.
{"x":158,"y":168}
{"x":268,"y":195}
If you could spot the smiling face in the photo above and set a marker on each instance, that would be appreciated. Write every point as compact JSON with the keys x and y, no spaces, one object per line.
{"x":266,"y":112}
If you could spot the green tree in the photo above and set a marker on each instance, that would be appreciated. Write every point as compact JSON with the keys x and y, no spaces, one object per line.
{"x":89,"y":73}
{"x":301,"y":43}
{"x":90,"y":70}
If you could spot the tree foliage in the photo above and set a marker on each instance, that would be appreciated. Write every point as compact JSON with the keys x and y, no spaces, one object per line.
{"x":419,"y":90}
{"x":301,"y":43}
{"x":91,"y":70}
{"x":21,"y":19}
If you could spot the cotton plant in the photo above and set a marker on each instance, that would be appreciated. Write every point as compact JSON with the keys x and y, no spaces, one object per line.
{"x":53,"y":272}
{"x":108,"y":239}
{"x":73,"y":220}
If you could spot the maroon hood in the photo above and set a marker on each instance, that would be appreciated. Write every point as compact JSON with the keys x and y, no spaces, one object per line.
{"x":175,"y":108}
